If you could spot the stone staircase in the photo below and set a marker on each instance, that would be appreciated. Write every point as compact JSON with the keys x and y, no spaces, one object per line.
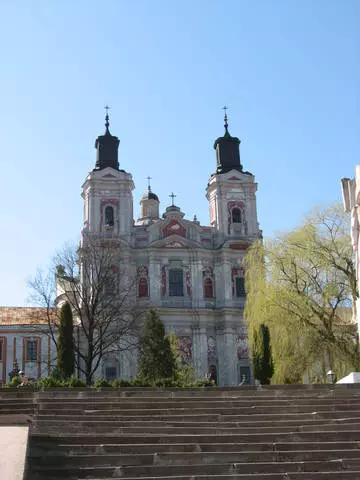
{"x":275,"y":432}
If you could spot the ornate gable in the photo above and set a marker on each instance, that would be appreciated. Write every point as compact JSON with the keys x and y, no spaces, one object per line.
{"x":174,"y":228}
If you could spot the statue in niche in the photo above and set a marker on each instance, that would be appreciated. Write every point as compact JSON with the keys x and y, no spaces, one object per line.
{"x":163,"y":280}
{"x":188,"y":283}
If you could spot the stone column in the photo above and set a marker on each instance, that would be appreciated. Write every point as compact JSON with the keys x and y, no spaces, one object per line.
{"x":200,"y":355}
{"x":196,"y":285}
{"x":223,"y":283}
{"x":226,"y":348}
{"x":154,"y":280}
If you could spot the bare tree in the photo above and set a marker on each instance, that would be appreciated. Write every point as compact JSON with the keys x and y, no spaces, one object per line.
{"x":98,"y":282}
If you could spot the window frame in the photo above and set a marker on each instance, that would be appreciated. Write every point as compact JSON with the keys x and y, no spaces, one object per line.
{"x":113,"y":368}
{"x":176,"y":289}
{"x":233,"y":210}
{"x":35,"y":342}
{"x":242,"y":293}
{"x":208,"y":281}
{"x":109,"y":224}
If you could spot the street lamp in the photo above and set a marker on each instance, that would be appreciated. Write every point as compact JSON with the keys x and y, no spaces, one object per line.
{"x":330,"y":376}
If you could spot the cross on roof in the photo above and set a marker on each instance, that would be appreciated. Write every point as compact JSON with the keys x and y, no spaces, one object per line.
{"x":225,"y":108}
{"x":172,"y":198}
{"x":107,"y":108}
{"x":148,"y":179}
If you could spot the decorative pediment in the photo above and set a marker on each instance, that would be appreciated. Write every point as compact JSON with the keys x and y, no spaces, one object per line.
{"x":108,"y":175}
{"x":175,"y":241}
{"x":174,"y":228}
{"x":234,"y":178}
{"x":174,"y":245}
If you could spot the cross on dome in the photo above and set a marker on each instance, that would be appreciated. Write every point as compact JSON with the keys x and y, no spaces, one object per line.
{"x":107,"y":108}
{"x":172,"y":196}
{"x":225,"y":108}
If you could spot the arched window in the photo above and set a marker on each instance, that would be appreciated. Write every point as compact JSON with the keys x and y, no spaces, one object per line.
{"x":109,"y":216}
{"x":236,"y":215}
{"x":208,"y":288}
{"x":143,"y":287}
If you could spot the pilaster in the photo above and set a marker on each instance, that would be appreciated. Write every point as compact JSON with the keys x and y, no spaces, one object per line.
{"x":200,"y":357}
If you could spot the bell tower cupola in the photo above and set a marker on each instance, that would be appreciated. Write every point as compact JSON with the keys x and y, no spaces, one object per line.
{"x":227,"y":151}
{"x":149,"y":206}
{"x":107,"y":147}
{"x":231,"y":193}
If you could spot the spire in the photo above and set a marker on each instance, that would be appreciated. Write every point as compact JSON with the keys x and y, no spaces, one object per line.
{"x":226,"y":125}
{"x":107,"y":131}
{"x":107,"y":146}
{"x":149,"y":186}
{"x":227,"y":150}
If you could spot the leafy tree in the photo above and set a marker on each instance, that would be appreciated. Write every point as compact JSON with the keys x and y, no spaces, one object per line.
{"x":263,"y":366}
{"x":66,"y":346}
{"x":300,"y":284}
{"x":185,"y":373}
{"x":156,"y":359}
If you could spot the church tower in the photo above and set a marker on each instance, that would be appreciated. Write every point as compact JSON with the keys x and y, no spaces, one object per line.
{"x":231,"y":192}
{"x":107,"y":191}
{"x":149,"y":207}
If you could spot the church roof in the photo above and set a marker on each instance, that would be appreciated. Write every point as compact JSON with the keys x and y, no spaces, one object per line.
{"x":23,"y":316}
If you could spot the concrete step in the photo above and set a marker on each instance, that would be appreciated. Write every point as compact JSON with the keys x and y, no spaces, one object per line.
{"x":238,"y":422}
{"x":124,"y":403}
{"x":20,"y":400}
{"x":95,"y":438}
{"x":344,"y":475}
{"x":166,"y":396}
{"x":119,"y":427}
{"x":256,"y":417}
{"x":191,"y":458}
{"x":41,"y":447}
{"x":14,"y":411}
{"x":134,"y":410}
{"x":210,"y":469}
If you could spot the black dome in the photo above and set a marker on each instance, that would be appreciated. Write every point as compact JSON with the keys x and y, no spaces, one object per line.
{"x":149,"y":195}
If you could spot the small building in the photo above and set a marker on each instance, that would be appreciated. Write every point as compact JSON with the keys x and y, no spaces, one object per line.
{"x":25,"y":342}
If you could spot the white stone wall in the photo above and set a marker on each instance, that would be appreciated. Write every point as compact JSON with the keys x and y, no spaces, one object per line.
{"x":193,"y":248}
{"x":351,"y":199}
{"x":15,"y":345}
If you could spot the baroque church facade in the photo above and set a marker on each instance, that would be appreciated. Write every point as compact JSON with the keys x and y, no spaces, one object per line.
{"x":191,"y":274}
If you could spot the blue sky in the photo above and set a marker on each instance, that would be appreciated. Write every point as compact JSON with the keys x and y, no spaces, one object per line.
{"x":288,"y":70}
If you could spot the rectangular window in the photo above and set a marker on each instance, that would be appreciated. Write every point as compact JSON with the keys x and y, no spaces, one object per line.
{"x":240,"y":287}
{"x":31,"y":350}
{"x":110,"y":373}
{"x":1,"y":350}
{"x":176,"y":282}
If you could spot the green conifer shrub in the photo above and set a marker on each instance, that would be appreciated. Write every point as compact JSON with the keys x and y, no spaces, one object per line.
{"x":156,"y":359}
{"x":66,"y":349}
{"x":263,"y":365}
